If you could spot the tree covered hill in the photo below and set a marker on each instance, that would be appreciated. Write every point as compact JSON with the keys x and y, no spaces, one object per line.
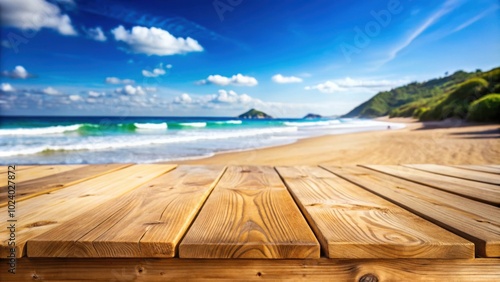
{"x":437,"y":99}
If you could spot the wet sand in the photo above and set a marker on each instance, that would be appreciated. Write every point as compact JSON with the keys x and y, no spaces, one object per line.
{"x":448,"y":142}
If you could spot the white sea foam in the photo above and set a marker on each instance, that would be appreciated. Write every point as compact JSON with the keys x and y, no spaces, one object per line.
{"x":120,"y":142}
{"x":193,"y":124}
{"x":229,"y":122}
{"x":311,"y":123}
{"x":40,"y":131}
{"x":151,"y":126}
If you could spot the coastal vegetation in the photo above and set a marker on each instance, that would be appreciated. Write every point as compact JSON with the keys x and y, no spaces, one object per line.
{"x":459,"y":95}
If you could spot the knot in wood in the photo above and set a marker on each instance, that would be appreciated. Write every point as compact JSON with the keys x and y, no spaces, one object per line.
{"x":368,"y":278}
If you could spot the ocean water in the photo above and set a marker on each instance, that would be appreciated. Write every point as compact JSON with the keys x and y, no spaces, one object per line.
{"x":93,"y":140}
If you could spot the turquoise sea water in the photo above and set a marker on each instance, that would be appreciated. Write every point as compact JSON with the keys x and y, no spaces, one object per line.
{"x":75,"y":140}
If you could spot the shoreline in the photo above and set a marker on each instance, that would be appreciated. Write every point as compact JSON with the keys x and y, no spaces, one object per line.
{"x":444,"y":142}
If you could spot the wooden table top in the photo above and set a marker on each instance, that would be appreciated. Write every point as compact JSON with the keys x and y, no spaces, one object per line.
{"x":254,"y":212}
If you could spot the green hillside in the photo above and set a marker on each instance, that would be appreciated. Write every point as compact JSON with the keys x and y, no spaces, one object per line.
{"x":436,"y":99}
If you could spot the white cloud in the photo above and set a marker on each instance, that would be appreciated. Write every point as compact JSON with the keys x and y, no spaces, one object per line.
{"x":155,"y":41}
{"x":75,"y":98}
{"x":445,"y":9}
{"x":155,"y":73}
{"x":96,"y":34}
{"x":183,"y":99}
{"x":6,"y":87}
{"x":230,"y":97}
{"x":278,"y":78}
{"x":131,"y":90}
{"x":158,"y":71}
{"x":50,"y":91}
{"x":349,"y":82}
{"x":34,"y":15}
{"x":223,"y":97}
{"x":344,"y":84}
{"x":237,"y":80}
{"x":475,"y":19}
{"x":150,"y":89}
{"x":326,"y":87}
{"x":17,"y":72}
{"x":116,"y":80}
{"x":95,"y":94}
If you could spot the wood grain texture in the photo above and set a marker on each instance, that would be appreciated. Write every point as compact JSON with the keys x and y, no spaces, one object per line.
{"x":458,"y":172}
{"x":250,"y":214}
{"x":40,"y":214}
{"x":147,"y":222}
{"x":482,"y":168}
{"x":152,"y":270}
{"x":483,"y":192}
{"x":351,"y":222}
{"x":5,"y":168}
{"x":38,"y":186}
{"x":475,"y":221}
{"x":41,"y":171}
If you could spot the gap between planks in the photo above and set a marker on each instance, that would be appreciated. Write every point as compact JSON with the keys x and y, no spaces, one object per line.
{"x":351,"y":222}
{"x":475,"y":221}
{"x":147,"y":222}
{"x":250,"y":214}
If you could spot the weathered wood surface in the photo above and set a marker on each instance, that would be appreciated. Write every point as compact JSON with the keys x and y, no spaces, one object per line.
{"x":152,"y":270}
{"x":351,"y":222}
{"x":483,"y":192}
{"x":44,"y":212}
{"x":49,"y":183}
{"x":147,"y":222}
{"x":250,"y":214}
{"x":482,"y":168}
{"x":475,"y":221}
{"x":458,"y":172}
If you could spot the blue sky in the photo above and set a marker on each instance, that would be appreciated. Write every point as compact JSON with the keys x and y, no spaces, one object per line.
{"x":222,"y":57}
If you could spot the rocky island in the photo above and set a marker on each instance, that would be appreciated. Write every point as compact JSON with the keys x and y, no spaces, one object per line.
{"x":254,"y":114}
{"x":310,"y":116}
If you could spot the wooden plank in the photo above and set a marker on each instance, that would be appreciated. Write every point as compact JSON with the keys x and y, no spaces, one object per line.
{"x":40,"y":171}
{"x":147,"y":222}
{"x":351,"y":222}
{"x":250,"y":214}
{"x":482,"y":168}
{"x":38,"y":186}
{"x":483,"y":192}
{"x":153,"y":270}
{"x":38,"y":215}
{"x":475,"y":221}
{"x":5,"y":168}
{"x":457,"y":172}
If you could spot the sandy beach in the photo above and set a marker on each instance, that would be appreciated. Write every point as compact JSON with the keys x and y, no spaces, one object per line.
{"x":449,"y":142}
